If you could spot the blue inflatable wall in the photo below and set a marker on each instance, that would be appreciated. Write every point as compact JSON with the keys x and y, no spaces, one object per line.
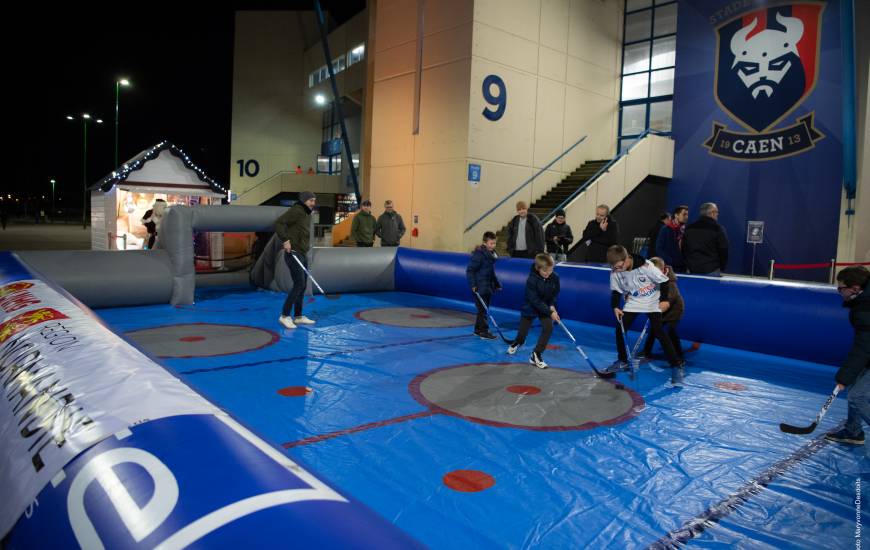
{"x":802,"y":321}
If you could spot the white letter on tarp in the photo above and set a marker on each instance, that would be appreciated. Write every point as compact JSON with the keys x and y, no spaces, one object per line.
{"x":141,"y":522}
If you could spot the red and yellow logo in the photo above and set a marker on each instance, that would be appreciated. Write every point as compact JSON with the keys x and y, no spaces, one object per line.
{"x":27,"y":319}
{"x":14,"y":287}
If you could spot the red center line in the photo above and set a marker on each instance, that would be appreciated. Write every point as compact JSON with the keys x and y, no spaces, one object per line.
{"x":360,"y":428}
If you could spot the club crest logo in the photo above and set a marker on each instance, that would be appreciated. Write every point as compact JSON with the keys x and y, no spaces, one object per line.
{"x":767,"y":63}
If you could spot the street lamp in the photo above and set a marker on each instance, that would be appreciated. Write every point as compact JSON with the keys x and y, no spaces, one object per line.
{"x":118,"y":83}
{"x":85,"y":118}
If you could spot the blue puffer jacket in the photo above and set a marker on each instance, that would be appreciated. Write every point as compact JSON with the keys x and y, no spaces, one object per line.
{"x":480,"y":272}
{"x":540,"y":294}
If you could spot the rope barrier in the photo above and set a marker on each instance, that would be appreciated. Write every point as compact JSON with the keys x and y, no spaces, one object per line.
{"x":818,"y":266}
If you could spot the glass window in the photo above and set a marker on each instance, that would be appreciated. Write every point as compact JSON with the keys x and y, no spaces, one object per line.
{"x":662,"y":83}
{"x":356,"y":54}
{"x":637,"y":25}
{"x":660,"y":115}
{"x":311,"y":80}
{"x":634,"y":86}
{"x":636,"y":58}
{"x":633,"y":119}
{"x":664,"y":52}
{"x":631,"y":5}
{"x":342,"y":63}
{"x":324,"y":73}
{"x":624,"y":144}
{"x":666,"y":20}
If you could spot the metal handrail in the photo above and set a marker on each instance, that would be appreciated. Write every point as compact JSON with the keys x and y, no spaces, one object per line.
{"x":528,"y":181}
{"x":265,"y":181}
{"x":597,"y":174}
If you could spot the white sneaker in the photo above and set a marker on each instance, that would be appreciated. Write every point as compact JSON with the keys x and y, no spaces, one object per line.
{"x":303,"y":320}
{"x":537,"y":361}
{"x":287,"y":322}
{"x":512,"y":349}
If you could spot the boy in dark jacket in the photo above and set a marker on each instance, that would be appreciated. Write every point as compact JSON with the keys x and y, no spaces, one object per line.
{"x":670,"y":318}
{"x":852,"y":286}
{"x":293,"y":230}
{"x":482,"y":280}
{"x":558,"y":236}
{"x":525,"y":234}
{"x":542,"y":288}
{"x":643,"y":287}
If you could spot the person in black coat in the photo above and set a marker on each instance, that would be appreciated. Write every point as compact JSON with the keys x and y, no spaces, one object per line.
{"x":542,"y":288}
{"x":600,"y":234}
{"x":558,"y":235}
{"x":852,"y":285}
{"x":481,"y":277}
{"x":706,"y":243}
{"x":525,"y":234}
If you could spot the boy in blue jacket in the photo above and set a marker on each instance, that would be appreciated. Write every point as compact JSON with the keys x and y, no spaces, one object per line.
{"x":480,"y":274}
{"x":542,"y":288}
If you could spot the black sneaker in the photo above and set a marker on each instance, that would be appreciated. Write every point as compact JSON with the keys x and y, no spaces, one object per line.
{"x":486,"y":335}
{"x":844,"y":436}
{"x":538,"y":361}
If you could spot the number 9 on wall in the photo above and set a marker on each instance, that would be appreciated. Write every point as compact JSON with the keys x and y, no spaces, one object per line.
{"x":498,"y":101}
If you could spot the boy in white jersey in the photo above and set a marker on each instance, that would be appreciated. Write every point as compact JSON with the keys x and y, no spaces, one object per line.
{"x":643,"y":287}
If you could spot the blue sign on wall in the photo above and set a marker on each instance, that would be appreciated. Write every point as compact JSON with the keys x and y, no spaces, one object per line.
{"x":757,"y":123}
{"x":474,"y":173}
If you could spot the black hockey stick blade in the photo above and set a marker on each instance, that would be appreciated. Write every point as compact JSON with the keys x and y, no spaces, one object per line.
{"x":798,"y":430}
{"x":492,"y":319}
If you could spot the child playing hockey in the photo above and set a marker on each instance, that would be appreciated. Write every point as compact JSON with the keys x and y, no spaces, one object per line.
{"x":480,"y":274}
{"x":642,"y":285}
{"x":670,"y":318}
{"x":542,"y":287}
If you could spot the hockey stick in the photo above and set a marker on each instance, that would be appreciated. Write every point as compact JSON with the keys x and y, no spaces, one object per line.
{"x":313,"y":280}
{"x":598,"y":373}
{"x":492,"y":319}
{"x":803,"y":430}
{"x":640,"y":338}
{"x":631,"y":353}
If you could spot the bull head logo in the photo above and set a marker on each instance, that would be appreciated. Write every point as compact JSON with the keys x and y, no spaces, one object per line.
{"x":763,"y":60}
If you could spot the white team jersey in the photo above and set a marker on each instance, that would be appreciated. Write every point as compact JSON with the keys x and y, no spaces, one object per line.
{"x":640,"y":286}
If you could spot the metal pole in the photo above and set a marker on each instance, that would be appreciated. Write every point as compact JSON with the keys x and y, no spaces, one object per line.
{"x":52,"y":200}
{"x":321,"y":22}
{"x":752,"y":269}
{"x":770,"y":275}
{"x":117,"y":101}
{"x":833,"y":269}
{"x":84,"y":172}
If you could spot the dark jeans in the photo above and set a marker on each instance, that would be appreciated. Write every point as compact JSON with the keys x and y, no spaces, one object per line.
{"x":859,"y":406}
{"x":480,"y":322}
{"x":297,"y":294}
{"x":655,"y":323}
{"x":523,"y":254}
{"x":360,"y":243}
{"x":546,"y":331}
{"x":672,"y":335}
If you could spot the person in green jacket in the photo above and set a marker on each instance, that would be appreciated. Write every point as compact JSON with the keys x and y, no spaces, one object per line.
{"x":364,"y":225}
{"x":293,"y":228}
{"x":852,"y":285}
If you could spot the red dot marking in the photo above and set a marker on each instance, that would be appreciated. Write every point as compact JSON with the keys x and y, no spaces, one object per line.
{"x":191,"y":339}
{"x":734,"y":386}
{"x":554,"y":347}
{"x":311,"y":300}
{"x":524,"y":390}
{"x":468,"y":481}
{"x":421,"y":315}
{"x":294,"y":391}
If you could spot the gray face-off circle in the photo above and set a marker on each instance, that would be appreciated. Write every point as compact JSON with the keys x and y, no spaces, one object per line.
{"x":201,"y":339}
{"x":518,"y":395}
{"x":416,"y":317}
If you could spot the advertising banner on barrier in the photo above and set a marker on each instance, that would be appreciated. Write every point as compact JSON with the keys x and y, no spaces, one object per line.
{"x":67,"y":383}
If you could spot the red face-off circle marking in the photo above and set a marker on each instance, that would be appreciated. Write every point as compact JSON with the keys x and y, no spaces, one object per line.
{"x":191,"y":339}
{"x":468,"y":481}
{"x":294,"y":391}
{"x":524,"y":390}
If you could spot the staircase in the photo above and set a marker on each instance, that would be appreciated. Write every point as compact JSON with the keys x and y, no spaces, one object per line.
{"x":554,"y":197}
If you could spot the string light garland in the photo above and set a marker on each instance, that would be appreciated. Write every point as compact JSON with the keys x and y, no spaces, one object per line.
{"x":124,"y":171}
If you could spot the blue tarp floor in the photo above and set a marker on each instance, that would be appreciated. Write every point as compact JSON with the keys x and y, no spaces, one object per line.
{"x":499,"y":466}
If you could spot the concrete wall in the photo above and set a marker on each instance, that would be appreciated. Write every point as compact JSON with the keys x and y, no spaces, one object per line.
{"x":272,"y":119}
{"x":559,"y":60}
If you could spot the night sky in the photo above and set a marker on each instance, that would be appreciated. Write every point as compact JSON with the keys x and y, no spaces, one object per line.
{"x":65,"y":62}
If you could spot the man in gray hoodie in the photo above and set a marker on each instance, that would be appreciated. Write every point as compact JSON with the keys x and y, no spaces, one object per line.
{"x":390,"y":227}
